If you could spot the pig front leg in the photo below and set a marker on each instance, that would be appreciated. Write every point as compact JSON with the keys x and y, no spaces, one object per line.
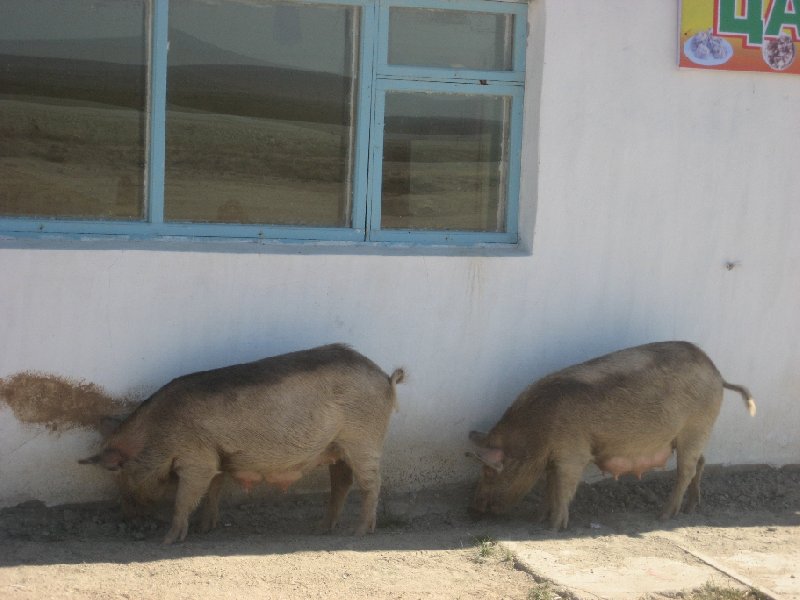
{"x":341,"y":482}
{"x":565,"y":478}
{"x":193,"y":482}
{"x":549,"y":497}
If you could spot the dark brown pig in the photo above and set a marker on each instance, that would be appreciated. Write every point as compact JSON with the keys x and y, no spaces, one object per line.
{"x":625,"y":411}
{"x":272,"y":420}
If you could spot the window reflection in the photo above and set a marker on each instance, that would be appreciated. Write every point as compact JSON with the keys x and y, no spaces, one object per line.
{"x":72,"y":106}
{"x":445,"y":161}
{"x":450,"y":39}
{"x":260,"y":113}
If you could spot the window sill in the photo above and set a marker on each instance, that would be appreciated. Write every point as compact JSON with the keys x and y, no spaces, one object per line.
{"x":251,"y":246}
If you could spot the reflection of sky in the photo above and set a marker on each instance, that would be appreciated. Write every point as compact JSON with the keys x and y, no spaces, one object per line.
{"x":450,"y":39}
{"x":109,"y":31}
{"x":293,"y":36}
{"x":296,"y":36}
{"x":255,"y":32}
{"x":59,"y":20}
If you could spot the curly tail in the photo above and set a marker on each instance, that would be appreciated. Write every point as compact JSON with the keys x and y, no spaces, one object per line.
{"x":746,"y":396}
{"x":397,"y":377}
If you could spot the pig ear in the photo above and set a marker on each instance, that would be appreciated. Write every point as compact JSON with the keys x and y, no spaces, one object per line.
{"x":478,"y":438}
{"x":491,"y":457}
{"x":110,"y":458}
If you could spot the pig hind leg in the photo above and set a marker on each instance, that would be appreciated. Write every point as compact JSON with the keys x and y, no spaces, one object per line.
{"x":341,"y":482}
{"x":690,"y":461}
{"x":193,"y":482}
{"x":693,"y":493}
{"x":368,"y":476}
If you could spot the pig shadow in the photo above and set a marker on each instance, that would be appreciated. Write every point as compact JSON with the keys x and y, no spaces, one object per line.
{"x":32,"y":533}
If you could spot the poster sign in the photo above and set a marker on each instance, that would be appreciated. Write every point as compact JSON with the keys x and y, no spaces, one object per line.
{"x":740,"y":35}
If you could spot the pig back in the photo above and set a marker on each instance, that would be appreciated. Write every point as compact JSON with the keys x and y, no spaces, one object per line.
{"x":627,"y":402}
{"x":280,"y":411}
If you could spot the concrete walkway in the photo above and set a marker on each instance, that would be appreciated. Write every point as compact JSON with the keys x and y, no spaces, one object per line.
{"x":598,"y":562}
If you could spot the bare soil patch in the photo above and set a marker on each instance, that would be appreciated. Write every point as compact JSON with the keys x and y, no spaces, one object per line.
{"x":425,"y":547}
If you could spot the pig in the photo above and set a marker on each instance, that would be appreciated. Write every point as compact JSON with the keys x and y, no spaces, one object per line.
{"x":626,"y":411}
{"x":271,"y":420}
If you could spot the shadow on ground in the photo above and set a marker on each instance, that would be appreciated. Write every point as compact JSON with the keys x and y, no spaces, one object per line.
{"x":32,"y":533}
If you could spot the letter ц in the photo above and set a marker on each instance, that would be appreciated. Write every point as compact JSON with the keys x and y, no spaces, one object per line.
{"x":751,"y":25}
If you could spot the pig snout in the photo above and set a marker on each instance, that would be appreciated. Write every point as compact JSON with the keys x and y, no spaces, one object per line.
{"x":482,"y":507}
{"x":488,"y":500}
{"x":479,"y":506}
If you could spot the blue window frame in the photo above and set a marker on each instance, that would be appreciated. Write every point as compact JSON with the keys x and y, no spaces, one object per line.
{"x":411,"y":134}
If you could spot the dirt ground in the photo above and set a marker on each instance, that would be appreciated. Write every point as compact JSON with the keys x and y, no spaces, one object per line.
{"x":746,"y":533}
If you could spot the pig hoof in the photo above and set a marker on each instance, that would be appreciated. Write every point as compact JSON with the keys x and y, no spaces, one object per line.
{"x":175,"y":534}
{"x":324,"y":527}
{"x":169,"y":539}
{"x":558,"y":523}
{"x":364,"y":529}
{"x":207,"y":525}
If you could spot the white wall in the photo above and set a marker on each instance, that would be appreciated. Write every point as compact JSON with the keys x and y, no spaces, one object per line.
{"x":650,"y":180}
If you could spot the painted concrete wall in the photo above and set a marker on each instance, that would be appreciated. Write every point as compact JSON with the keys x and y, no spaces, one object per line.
{"x":643,"y":185}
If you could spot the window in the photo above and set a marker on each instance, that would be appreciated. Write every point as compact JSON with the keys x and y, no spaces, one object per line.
{"x":362,"y":120}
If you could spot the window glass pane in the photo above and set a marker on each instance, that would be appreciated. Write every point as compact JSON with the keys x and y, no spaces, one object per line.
{"x":445,"y":159}
{"x":72,"y":108}
{"x":450,"y":39}
{"x":260,"y":112}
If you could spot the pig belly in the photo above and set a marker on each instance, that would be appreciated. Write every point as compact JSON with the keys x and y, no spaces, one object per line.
{"x":284,"y":479}
{"x":638,"y":465}
{"x":247,"y":479}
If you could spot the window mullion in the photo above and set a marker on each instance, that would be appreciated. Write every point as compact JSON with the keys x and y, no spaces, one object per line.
{"x":380,"y":12}
{"x":370,"y":36}
{"x":157,"y":102}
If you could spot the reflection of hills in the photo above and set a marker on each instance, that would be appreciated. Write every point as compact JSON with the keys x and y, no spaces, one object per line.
{"x":185,"y":49}
{"x":102,"y":70}
{"x":201,"y":77}
{"x":121,"y":50}
{"x":267,"y":92}
{"x":400,"y":127}
{"x":86,"y":80}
